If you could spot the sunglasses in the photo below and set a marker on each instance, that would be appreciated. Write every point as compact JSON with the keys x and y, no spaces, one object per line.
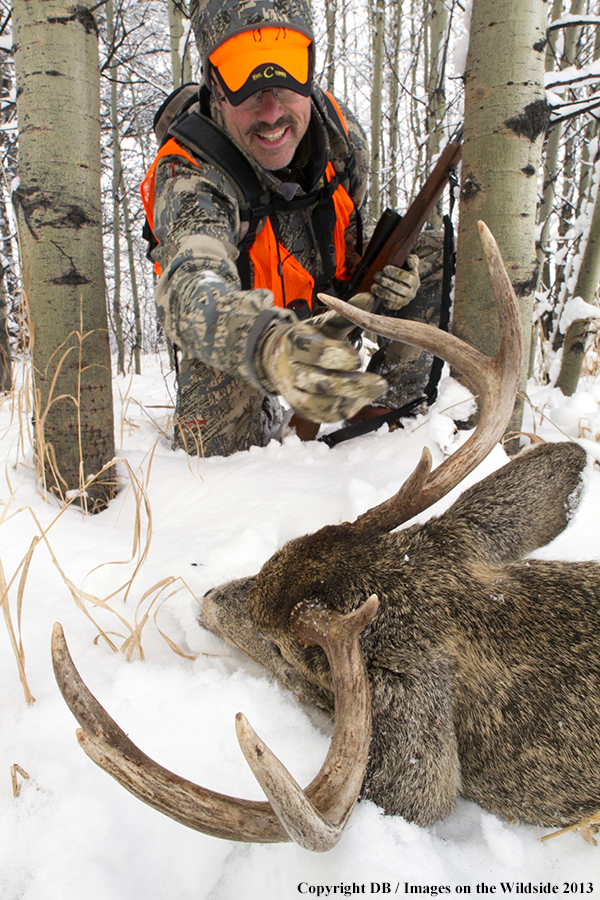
{"x":285,"y":96}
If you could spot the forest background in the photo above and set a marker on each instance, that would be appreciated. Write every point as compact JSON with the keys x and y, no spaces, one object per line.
{"x":128,"y":580}
{"x":400,"y":66}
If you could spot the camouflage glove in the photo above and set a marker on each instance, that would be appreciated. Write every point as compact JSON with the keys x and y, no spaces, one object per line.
{"x":335,"y":326}
{"x":397,"y":287}
{"x":319,"y":377}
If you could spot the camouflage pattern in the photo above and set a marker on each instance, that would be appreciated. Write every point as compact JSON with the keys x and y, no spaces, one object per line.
{"x":215,"y":21}
{"x":319,"y":376}
{"x":223,"y":403}
{"x":397,"y":287}
{"x":405,"y":368}
{"x":217,"y":414}
{"x":201,"y":304}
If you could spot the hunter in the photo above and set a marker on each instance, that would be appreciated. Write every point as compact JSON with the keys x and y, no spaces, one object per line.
{"x":253,"y":204}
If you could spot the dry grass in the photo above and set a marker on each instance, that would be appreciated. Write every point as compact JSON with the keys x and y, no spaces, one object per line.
{"x":17,"y":643}
{"x":127,"y":636}
{"x":130,"y":620}
{"x":16,"y":770}
{"x":587,"y":828}
{"x":48,"y":473}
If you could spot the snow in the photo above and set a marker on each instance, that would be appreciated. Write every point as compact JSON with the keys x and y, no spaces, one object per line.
{"x":461,"y":46}
{"x":573,"y":75}
{"x":576,"y":309}
{"x":178,"y":527}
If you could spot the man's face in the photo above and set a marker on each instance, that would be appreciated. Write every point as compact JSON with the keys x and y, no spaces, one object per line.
{"x":268,"y":126}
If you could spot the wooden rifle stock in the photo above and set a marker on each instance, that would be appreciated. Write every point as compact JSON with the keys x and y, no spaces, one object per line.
{"x":393,"y":239}
{"x":395,"y":235}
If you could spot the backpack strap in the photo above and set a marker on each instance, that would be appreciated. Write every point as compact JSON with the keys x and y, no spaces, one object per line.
{"x":332,"y":114}
{"x":172,"y":108}
{"x":204,"y":137}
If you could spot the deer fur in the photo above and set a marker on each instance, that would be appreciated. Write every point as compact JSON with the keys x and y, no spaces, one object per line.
{"x":483,"y":665}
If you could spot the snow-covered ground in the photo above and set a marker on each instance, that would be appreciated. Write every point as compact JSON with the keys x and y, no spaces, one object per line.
{"x":178,"y":527}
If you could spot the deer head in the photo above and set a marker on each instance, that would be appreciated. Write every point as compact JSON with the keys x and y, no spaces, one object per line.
{"x":419,"y":660}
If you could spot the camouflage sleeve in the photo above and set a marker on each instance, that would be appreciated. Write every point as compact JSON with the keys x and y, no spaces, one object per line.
{"x":199,"y":298}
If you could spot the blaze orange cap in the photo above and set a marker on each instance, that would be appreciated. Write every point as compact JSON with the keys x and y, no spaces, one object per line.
{"x":263,"y":58}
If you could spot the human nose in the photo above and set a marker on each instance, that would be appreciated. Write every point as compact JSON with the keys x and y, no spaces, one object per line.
{"x":270,"y":108}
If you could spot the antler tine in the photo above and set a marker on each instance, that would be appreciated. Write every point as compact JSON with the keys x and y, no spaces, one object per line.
{"x":495,"y":379}
{"x":314,"y":818}
{"x":188,"y":803}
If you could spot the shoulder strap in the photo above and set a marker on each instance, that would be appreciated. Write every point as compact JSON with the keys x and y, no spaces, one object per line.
{"x":334,"y":111}
{"x":332,"y":114}
{"x":204,"y":137}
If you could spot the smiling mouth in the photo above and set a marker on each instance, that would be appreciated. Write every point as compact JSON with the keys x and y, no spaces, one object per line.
{"x":272,"y":136}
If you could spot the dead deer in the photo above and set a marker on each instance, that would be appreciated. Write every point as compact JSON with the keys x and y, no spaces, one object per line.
{"x":453,"y":665}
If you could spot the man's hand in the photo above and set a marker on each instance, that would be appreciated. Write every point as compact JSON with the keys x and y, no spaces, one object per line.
{"x":319,"y":376}
{"x":397,"y":287}
{"x":334,"y":325}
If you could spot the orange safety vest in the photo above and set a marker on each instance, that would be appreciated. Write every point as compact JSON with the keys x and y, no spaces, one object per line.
{"x":274,"y":267}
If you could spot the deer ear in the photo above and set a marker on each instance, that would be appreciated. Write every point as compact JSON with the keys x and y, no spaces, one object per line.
{"x":524,"y":505}
{"x":414,"y":769}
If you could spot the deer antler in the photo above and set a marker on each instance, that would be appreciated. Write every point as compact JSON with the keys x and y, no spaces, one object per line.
{"x":495,"y":379}
{"x":314,"y":818}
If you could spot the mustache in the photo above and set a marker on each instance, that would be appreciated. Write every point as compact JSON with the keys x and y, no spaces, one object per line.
{"x":265,"y":127}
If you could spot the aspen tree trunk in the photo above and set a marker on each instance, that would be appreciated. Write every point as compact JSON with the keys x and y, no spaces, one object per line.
{"x":436,"y":95}
{"x":552,"y":148}
{"x":416,"y":125}
{"x":569,"y":150}
{"x":180,"y":63}
{"x":343,"y":56}
{"x":330,"y":20}
{"x":378,"y":24}
{"x":138,"y":127}
{"x":5,"y":361}
{"x":135,"y":298}
{"x":121,"y":216}
{"x":7,"y":242}
{"x":506,"y":117}
{"x":59,"y":217}
{"x":116,"y":184}
{"x":575,"y":341}
{"x":393,"y":106}
{"x":592,"y":130}
{"x":553,"y":276}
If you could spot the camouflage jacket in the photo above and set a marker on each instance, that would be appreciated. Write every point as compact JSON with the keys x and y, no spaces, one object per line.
{"x":201,"y":304}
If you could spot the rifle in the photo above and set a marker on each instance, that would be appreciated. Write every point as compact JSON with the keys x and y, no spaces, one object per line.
{"x":395,"y":235}
{"x":391,"y":242}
